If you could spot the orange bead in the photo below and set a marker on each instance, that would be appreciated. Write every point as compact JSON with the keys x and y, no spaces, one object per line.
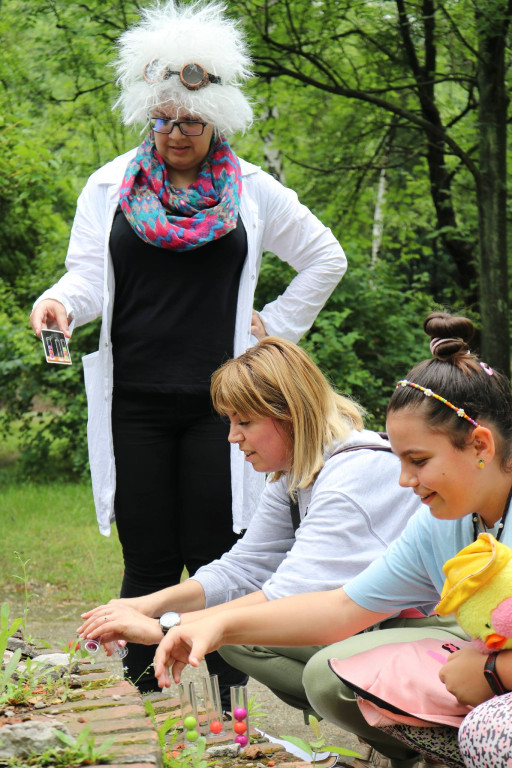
{"x":240,"y":727}
{"x":215,"y":726}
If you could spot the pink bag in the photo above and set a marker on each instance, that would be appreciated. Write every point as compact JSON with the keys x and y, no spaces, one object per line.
{"x":399,"y":683}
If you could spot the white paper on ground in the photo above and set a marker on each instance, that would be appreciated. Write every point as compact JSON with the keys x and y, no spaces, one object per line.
{"x":293,"y":749}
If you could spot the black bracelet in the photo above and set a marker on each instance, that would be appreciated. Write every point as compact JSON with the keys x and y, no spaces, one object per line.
{"x":492,"y":677}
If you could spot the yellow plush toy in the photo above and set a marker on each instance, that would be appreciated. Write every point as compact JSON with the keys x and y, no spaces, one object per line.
{"x":478,"y":590}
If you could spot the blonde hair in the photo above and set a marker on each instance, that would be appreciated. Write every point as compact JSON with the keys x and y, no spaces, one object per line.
{"x":278,"y":379}
{"x":170,"y":36}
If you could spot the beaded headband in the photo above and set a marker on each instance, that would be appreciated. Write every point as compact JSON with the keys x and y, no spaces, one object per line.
{"x":428,"y":393}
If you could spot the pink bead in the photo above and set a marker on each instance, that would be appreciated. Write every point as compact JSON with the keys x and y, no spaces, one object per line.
{"x":240,"y":713}
{"x":242,"y":740}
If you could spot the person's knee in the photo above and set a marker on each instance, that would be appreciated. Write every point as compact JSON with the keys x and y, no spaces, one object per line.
{"x":324,"y":690}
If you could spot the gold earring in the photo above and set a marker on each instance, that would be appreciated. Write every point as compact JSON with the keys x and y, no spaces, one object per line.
{"x":481,"y":463}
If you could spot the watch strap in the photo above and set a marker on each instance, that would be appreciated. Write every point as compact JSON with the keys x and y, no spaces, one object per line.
{"x":491,"y":675}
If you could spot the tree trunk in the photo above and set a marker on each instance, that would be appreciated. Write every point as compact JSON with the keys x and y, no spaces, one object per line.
{"x":491,"y":191}
{"x":460,"y":250}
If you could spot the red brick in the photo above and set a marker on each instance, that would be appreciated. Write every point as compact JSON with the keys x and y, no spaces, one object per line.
{"x":114,"y":711}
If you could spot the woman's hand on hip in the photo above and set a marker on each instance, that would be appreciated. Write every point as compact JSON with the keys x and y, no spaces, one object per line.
{"x":49,"y":313}
{"x":119,"y":621}
{"x":257,"y":327}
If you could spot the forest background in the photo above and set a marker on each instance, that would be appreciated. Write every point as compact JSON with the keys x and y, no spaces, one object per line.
{"x":389,"y":119}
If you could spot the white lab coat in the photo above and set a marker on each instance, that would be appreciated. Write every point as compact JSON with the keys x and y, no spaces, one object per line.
{"x":275,"y":221}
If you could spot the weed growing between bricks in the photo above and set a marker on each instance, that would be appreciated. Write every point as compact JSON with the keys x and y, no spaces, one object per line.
{"x":95,"y":719}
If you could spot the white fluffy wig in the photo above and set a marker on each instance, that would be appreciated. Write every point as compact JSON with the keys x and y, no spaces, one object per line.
{"x":171,"y":35}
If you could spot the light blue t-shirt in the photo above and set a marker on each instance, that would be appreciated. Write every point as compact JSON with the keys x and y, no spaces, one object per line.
{"x":410,"y":573}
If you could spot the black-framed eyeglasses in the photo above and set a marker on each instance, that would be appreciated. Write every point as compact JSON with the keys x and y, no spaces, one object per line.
{"x":187,"y":127}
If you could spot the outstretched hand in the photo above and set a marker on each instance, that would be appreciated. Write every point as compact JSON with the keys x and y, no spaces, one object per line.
{"x":186,"y":644}
{"x":118,"y":620}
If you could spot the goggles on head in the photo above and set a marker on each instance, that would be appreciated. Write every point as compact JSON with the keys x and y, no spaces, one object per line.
{"x":193,"y":76}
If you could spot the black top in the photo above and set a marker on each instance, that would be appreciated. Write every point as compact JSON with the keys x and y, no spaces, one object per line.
{"x":174,"y":312}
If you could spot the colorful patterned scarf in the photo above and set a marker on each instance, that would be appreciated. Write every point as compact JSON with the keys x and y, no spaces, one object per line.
{"x":184,"y":219}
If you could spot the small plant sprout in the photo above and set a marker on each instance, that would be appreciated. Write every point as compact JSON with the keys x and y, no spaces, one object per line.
{"x":6,"y":630}
{"x":254,"y":712}
{"x":162,"y":730}
{"x":83,"y":749}
{"x":75,"y":752}
{"x":26,"y":594}
{"x":74,"y":651}
{"x":192,"y":756}
{"x":317,"y":744}
{"x":15,"y":686}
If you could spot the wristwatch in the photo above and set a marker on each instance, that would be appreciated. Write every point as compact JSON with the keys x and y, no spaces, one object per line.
{"x":491,"y":675}
{"x":168,"y":620}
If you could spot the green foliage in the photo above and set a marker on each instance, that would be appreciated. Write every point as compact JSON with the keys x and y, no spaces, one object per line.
{"x":255,"y":713}
{"x":369,"y":333}
{"x":399,"y":91}
{"x":7,"y":684}
{"x":26,"y":593}
{"x":60,"y":128}
{"x":317,"y":743}
{"x":163,"y":729}
{"x":47,"y":404}
{"x":69,"y":757}
{"x":191,"y":757}
{"x":83,"y":749}
{"x":369,"y":337}
{"x":16,"y":685}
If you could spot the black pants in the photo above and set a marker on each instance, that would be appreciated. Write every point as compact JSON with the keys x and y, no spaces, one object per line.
{"x":172,"y":503}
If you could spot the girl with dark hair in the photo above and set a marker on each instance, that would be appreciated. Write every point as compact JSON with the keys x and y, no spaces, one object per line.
{"x":450,"y":423}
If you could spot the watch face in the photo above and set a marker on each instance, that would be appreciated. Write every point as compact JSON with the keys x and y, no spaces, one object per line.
{"x":169,"y":619}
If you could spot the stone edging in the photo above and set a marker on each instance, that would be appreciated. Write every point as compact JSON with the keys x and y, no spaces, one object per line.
{"x":117,"y":710}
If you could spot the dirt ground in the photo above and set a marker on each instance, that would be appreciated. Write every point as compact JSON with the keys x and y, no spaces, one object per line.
{"x":57,"y":625}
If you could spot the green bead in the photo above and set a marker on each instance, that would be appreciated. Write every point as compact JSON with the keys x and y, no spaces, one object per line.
{"x":190,"y":723}
{"x":191,"y":735}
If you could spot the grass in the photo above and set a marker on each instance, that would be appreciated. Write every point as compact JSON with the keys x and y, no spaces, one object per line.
{"x":53,"y":527}
{"x":9,"y":451}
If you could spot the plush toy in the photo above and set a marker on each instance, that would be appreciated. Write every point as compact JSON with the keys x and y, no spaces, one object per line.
{"x":478,"y":590}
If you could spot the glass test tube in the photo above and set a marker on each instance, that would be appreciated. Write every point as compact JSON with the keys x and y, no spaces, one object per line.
{"x":212,"y":705}
{"x":240,"y":713}
{"x":187,"y":694}
{"x":93,"y":646}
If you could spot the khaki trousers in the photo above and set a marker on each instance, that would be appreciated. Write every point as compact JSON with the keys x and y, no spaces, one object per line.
{"x":302,"y":678}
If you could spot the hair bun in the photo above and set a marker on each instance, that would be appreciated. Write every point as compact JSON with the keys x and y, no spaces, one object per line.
{"x":449,"y":336}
